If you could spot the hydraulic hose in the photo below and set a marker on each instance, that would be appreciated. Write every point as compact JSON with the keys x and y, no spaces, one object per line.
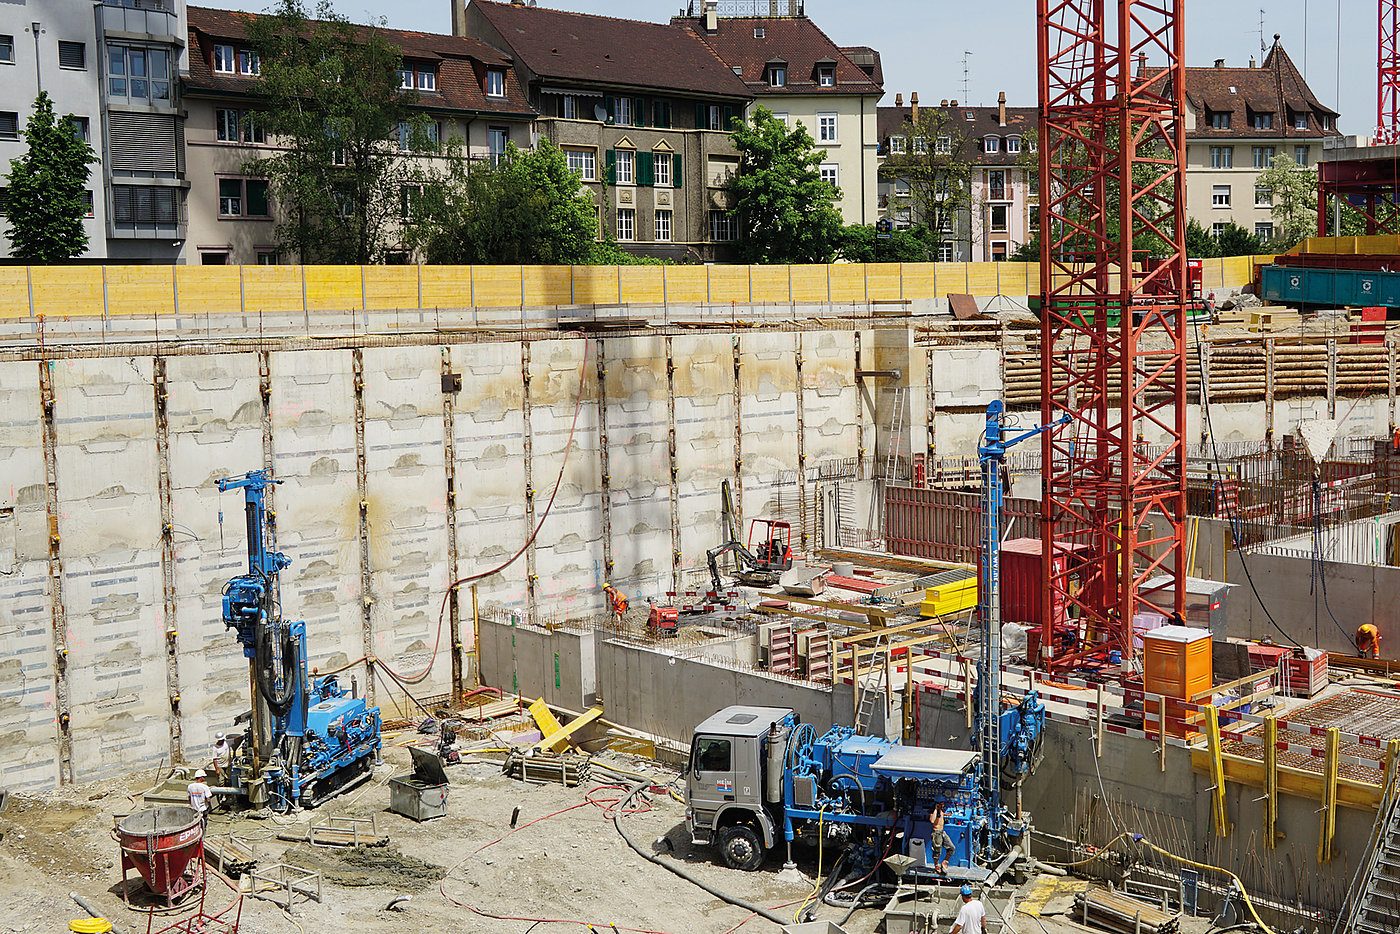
{"x":279,"y":701}
{"x":678,"y":870}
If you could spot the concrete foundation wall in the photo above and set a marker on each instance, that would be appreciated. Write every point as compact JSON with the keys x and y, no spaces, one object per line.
{"x":558,"y":665}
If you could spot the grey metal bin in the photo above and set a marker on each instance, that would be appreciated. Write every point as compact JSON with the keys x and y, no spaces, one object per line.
{"x":421,"y":794}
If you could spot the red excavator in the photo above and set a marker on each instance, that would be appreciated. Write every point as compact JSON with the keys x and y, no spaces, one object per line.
{"x":768,"y":555}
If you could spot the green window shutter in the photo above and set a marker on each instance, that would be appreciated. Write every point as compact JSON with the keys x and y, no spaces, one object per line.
{"x":676,"y":170}
{"x":701,"y":117}
{"x":668,"y":115}
{"x":610,"y":161}
{"x":639,"y":107}
{"x":646,"y":169}
{"x":612,"y":110}
{"x":728,"y":118}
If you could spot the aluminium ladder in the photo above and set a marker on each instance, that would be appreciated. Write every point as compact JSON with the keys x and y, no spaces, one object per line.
{"x":1377,"y":887}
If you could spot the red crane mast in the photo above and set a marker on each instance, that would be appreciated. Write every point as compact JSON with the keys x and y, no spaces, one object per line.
{"x":1114,"y":293}
{"x":1388,"y":74}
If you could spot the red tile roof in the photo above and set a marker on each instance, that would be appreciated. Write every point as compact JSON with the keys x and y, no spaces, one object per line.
{"x":461,"y":64}
{"x":1275,"y":88}
{"x":794,"y":40}
{"x":566,"y":46}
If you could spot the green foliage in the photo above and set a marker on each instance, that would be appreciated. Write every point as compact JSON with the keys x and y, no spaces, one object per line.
{"x":530,"y":209}
{"x":1294,"y":192}
{"x":1235,"y":240}
{"x":1199,"y":242}
{"x":785,"y":213}
{"x":859,"y":244}
{"x":1028,"y":252}
{"x":331,"y":97}
{"x":47,"y":200}
{"x":939,"y":177}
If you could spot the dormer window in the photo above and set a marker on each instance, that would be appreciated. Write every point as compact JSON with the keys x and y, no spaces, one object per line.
{"x":427,"y":79}
{"x":896,"y":145}
{"x":826,"y":77}
{"x":991,"y":144}
{"x":758,"y":32}
{"x":405,"y":79}
{"x":1300,"y":121}
{"x":1263,"y":121}
{"x":421,"y":78}
{"x":248,"y":63}
{"x":1013,"y":144}
{"x":223,"y":59}
{"x":944,"y":145}
{"x":920,"y":145}
{"x":777,"y":76}
{"x":495,"y":82}
{"x":1219,"y":119}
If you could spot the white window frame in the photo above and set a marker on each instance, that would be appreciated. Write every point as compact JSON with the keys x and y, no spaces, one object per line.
{"x":225,"y":59}
{"x":991,"y":144}
{"x":777,"y":76}
{"x":725,"y":226}
{"x":249,"y":65}
{"x":826,"y":77}
{"x":920,"y":145}
{"x":623,"y":114}
{"x":946,"y":254}
{"x":662,"y":175}
{"x":82,"y":49}
{"x":625,"y":168}
{"x":1217,"y":229}
{"x":1300,"y":122}
{"x":831,"y":174}
{"x":626,"y":224}
{"x":1300,"y":156}
{"x":427,"y":79}
{"x":570,"y":107}
{"x":226,"y":125}
{"x":495,"y":82}
{"x":715,"y":115}
{"x":1263,"y":196}
{"x":1005,"y":224}
{"x":944,"y":145}
{"x":1220,"y":196}
{"x":405,"y":79}
{"x":1013,"y":144}
{"x":1264,"y":156}
{"x":7,"y":50}
{"x":584,"y":162}
{"x":663,"y":225}
{"x":1222,"y":157}
{"x":1264,"y":230}
{"x":828,"y":128}
{"x":896,"y":145}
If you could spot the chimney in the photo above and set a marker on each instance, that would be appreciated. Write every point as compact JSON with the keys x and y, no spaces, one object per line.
{"x":944,"y":103}
{"x":1251,"y":62}
{"x":914,"y":107}
{"x":1220,"y":63}
{"x":1142,"y":64}
{"x":1001,"y":109}
{"x":899,"y":100}
{"x":711,"y":16}
{"x":953,"y":102}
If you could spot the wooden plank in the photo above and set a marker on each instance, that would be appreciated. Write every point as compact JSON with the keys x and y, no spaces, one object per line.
{"x":557,"y":740}
{"x":1245,"y":771}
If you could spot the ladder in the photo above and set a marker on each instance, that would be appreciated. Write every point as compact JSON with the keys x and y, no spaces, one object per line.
{"x":896,"y":437}
{"x":1377,"y":902}
{"x":870,"y":693}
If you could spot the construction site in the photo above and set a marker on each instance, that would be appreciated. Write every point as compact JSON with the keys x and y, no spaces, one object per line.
{"x":676,"y":599}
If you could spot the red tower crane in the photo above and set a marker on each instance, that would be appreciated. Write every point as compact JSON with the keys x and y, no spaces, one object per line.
{"x":1388,"y":74}
{"x":1112,"y":168}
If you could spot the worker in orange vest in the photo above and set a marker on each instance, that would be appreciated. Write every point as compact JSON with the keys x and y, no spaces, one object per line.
{"x":616,"y":602}
{"x":1368,"y":641}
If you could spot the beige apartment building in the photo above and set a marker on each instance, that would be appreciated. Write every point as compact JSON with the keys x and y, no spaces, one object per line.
{"x":1237,"y":121}
{"x":791,"y":67}
{"x":467,"y":89}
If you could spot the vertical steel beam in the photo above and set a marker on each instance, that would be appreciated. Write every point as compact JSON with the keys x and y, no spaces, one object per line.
{"x":604,"y":465}
{"x":58,"y":618}
{"x":451,"y":384}
{"x":1388,"y":72}
{"x":167,"y":556}
{"x":529,"y":445}
{"x":357,"y":360}
{"x":801,"y":448}
{"x":674,"y":472}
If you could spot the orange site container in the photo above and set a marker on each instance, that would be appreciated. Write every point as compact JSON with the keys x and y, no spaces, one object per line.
{"x":1176,"y":663}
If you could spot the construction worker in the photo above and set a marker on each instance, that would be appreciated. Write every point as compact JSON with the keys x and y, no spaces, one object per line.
{"x":199,"y":796}
{"x":616,"y":602}
{"x":1368,"y":641}
{"x":941,"y":838}
{"x":972,"y":916}
{"x":219,"y":758}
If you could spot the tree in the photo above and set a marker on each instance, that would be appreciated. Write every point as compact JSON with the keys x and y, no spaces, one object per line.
{"x":331,"y":97}
{"x":1235,"y":240}
{"x":48,"y":185}
{"x":529,"y":209}
{"x":1200,"y":244}
{"x":785,"y":213}
{"x":1294,"y":192}
{"x":936,"y":164}
{"x":860,"y":244}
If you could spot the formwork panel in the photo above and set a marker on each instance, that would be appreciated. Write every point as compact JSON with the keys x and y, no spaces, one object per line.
{"x":446,"y":286}
{"x":272,"y":289}
{"x":769,"y":284}
{"x":638,"y":464}
{"x":568,"y":555}
{"x":208,"y":290}
{"x":641,"y":285}
{"x":596,"y":285}
{"x":918,"y":280}
{"x":704,"y":390}
{"x":768,"y":416}
{"x":14,"y":292}
{"x":830,"y":400}
{"x":407,"y":496}
{"x":497,"y":287}
{"x":488,"y":441}
{"x":214,"y":418}
{"x":334,"y":288}
{"x":686,"y":284}
{"x":317,"y":501}
{"x":547,"y":285}
{"x":966,"y":377}
{"x":66,"y":291}
{"x":28,"y":730}
{"x":391,"y":286}
{"x":110,"y":528}
{"x":847,"y":282}
{"x":809,"y":284}
{"x":883,"y":282}
{"x":143,"y":290}
{"x":729,"y":283}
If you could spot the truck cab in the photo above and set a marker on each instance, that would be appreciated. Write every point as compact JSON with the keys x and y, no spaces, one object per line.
{"x":726,"y":781}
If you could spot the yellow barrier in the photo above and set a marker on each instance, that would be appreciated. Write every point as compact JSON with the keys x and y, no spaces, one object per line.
{"x":79,"y":291}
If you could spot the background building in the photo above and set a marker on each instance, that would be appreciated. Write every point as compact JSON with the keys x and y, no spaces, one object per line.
{"x":114,"y":67}
{"x":1237,"y":121}
{"x":642,"y":111}
{"x":792,"y":68}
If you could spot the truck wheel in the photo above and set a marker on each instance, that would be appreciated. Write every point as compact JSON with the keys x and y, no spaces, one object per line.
{"x":740,"y":848}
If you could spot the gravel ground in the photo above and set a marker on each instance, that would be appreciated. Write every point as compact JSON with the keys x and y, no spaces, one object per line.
{"x":565,"y":861}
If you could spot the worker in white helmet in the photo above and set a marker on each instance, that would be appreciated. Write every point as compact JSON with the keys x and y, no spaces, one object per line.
{"x":219,"y":760}
{"x":199,"y":794}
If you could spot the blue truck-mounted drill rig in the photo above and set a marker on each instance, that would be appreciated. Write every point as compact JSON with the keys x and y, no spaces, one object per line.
{"x":757,"y":776}
{"x":307,"y":738}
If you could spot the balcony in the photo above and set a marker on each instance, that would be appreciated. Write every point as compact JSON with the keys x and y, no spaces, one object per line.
{"x":155,"y":18}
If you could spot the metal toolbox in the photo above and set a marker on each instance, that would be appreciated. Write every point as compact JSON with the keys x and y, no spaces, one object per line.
{"x":421,"y":794}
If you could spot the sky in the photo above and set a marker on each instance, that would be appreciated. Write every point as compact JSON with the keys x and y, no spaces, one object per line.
{"x":921,"y":42}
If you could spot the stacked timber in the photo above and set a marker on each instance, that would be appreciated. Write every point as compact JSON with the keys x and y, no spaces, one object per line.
{"x":1123,"y":914}
{"x":568,"y":769}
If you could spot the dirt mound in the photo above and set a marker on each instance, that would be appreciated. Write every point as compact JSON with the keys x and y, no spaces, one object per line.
{"x":360,"y":866}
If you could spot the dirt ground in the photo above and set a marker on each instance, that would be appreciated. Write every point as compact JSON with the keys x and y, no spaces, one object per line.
{"x":467,"y":872}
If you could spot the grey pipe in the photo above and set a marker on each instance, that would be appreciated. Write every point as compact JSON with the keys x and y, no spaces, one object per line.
{"x":89,"y":909}
{"x":683,"y":873}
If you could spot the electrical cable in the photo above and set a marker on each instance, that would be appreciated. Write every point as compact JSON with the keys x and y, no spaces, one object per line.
{"x":452,"y":587}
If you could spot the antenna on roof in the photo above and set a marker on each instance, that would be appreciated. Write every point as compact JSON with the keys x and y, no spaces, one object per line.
{"x":1262,"y":46}
{"x":967,"y":98}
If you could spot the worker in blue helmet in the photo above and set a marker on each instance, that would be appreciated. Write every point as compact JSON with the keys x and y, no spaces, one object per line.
{"x":972,"y":917}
